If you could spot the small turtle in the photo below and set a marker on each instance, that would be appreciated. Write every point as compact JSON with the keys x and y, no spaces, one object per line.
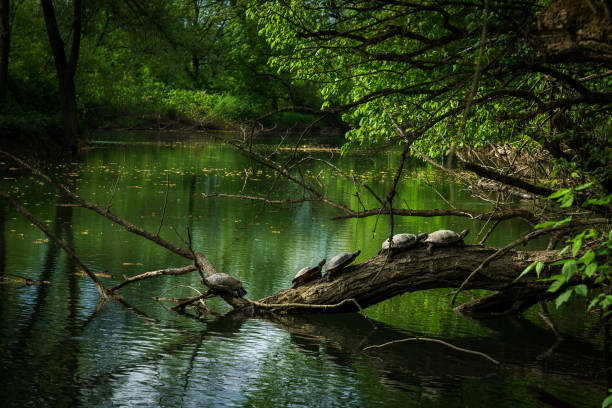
{"x":306,"y":274}
{"x":401,"y":242}
{"x":340,"y":261}
{"x":222,"y":282}
{"x":444,"y":238}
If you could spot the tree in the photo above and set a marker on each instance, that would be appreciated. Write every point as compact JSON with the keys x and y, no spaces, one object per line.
{"x":6,"y":43}
{"x":519,"y":92}
{"x":66,"y":67}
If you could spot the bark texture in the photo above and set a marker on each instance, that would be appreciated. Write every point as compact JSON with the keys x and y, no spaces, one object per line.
{"x":375,"y":280}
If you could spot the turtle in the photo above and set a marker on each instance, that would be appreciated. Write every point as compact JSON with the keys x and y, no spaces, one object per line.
{"x":444,"y":238}
{"x":306,"y":274}
{"x":222,"y":282}
{"x":340,"y":261}
{"x":401,"y":242}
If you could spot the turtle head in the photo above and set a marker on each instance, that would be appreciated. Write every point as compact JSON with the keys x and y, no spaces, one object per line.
{"x":357,"y":252}
{"x":422,"y":236}
{"x":322,"y":263}
{"x":463,"y":233}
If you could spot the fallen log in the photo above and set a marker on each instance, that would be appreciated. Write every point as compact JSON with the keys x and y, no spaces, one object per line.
{"x":376,"y":280}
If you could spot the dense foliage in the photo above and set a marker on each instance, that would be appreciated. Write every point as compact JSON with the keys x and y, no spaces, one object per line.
{"x":519,"y":91}
{"x":195,"y":62}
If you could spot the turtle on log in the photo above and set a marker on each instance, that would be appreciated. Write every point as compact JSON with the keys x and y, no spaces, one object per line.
{"x":222,"y":282}
{"x":401,"y":242}
{"x":307,"y":274}
{"x":338,"y":262}
{"x":444,"y":238}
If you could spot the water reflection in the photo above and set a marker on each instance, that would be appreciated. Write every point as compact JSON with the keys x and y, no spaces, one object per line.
{"x":57,"y":348}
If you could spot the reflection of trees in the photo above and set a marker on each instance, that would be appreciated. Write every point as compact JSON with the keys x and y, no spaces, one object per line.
{"x":59,"y":366}
{"x":433,"y":368}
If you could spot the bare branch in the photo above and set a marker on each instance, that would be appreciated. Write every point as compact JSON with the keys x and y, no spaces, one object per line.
{"x":478,"y":353}
{"x":147,"y":275}
{"x":161,"y":221}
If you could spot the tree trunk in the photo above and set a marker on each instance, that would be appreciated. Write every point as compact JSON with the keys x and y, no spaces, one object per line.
{"x":375,"y":280}
{"x":69,"y":113}
{"x":65,"y":68}
{"x":6,"y":43}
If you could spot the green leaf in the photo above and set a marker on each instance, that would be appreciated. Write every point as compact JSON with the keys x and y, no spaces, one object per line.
{"x":583,"y":186}
{"x":588,"y":257}
{"x":559,"y":193}
{"x":553,"y":223}
{"x":569,"y":269}
{"x":567,"y":201}
{"x":591,"y":269}
{"x":606,"y":302}
{"x":576,"y":247}
{"x":594,"y":302}
{"x":556,"y":285}
{"x":564,"y":297}
{"x":581,"y":290}
{"x":539,"y":267}
{"x":525,"y":271}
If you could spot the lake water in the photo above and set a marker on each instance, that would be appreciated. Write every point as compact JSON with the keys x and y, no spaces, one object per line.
{"x":58,"y":349}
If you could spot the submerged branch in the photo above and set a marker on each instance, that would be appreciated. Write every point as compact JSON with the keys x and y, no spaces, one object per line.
{"x":207,"y":265}
{"x":22,"y":210}
{"x":464,"y":350}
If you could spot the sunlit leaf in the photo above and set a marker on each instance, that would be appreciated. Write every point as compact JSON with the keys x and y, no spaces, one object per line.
{"x":564,"y":297}
{"x":591,"y":269}
{"x":556,"y":285}
{"x":539,"y":267}
{"x":588,"y":257}
{"x":569,"y":269}
{"x":526,"y":271}
{"x":581,"y":290}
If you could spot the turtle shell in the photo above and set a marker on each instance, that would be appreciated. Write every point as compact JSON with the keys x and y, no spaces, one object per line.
{"x":225,"y":282}
{"x":340,"y":261}
{"x":445,"y":237}
{"x":403,"y":241}
{"x":306,"y":274}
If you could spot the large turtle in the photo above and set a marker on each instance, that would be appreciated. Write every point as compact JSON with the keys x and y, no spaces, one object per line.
{"x":401,"y":242}
{"x":306,"y":274}
{"x":444,"y":238}
{"x":340,"y":261}
{"x":222,"y":282}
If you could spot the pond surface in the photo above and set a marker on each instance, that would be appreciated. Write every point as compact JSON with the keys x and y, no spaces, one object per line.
{"x":58,"y":349}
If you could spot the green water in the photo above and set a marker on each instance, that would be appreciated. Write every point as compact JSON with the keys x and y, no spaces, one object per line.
{"x":57,"y":349}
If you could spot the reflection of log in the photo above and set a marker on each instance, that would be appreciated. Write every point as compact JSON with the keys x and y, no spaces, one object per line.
{"x":432,"y":367}
{"x":374,"y":281}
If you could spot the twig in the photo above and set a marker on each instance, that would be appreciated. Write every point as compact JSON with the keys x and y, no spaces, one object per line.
{"x":543,"y":313}
{"x":264,"y":199}
{"x":59,"y":242}
{"x":478,"y":353}
{"x":439,"y":194}
{"x":114,"y":190}
{"x":161,"y":222}
{"x":246,"y":178}
{"x":305,"y":306}
{"x":486,"y":236}
{"x":196,"y":261}
{"x":181,"y":306}
{"x":168,"y":271}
